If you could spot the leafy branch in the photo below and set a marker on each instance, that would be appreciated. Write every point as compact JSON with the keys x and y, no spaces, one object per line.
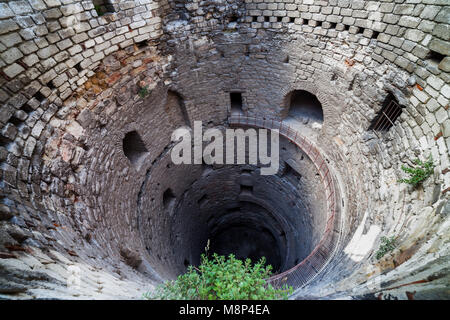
{"x":143,"y":92}
{"x":418,"y":173}
{"x":221,"y":278}
{"x":99,"y":10}
{"x":387,"y":245}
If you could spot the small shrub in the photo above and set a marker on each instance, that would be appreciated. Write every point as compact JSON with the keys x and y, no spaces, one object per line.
{"x":221,"y":278}
{"x":419,"y":173}
{"x":387,"y":245}
{"x":99,"y":10}
{"x":143,"y":92}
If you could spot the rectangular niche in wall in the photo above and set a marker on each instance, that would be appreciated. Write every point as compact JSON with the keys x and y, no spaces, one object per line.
{"x":103,"y":6}
{"x":236,"y":102}
{"x":169,"y":200}
{"x":386,"y":117}
{"x":246,"y":190}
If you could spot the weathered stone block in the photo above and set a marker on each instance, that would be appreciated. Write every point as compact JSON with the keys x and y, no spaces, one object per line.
{"x":13,"y":70}
{"x":47,"y":52}
{"x":5,"y":11}
{"x":20,"y":7}
{"x":11,"y":55}
{"x":430,"y":12}
{"x":409,"y":22}
{"x":11,"y":39}
{"x":445,"y":64}
{"x":443,"y":47}
{"x":414,"y":35}
{"x":442,"y":31}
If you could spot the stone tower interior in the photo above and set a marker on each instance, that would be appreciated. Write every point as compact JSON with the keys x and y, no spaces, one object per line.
{"x":92,"y":90}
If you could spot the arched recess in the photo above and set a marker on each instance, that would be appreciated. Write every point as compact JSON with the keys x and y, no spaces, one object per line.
{"x":329,"y":108}
{"x":134,"y":148}
{"x":236,"y":103}
{"x":302,"y":104}
{"x":176,"y":108}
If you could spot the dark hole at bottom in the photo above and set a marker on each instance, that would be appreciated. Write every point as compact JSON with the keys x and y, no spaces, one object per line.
{"x":246,"y":241}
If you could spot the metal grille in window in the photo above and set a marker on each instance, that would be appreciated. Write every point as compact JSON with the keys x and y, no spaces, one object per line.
{"x":387,"y":116}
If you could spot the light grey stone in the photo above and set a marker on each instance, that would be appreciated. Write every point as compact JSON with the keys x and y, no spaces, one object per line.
{"x":11,"y":55}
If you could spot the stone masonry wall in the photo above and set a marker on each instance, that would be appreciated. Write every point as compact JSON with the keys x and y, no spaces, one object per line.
{"x":73,"y":84}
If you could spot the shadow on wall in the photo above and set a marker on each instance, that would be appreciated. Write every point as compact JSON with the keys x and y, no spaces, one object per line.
{"x":176,"y":101}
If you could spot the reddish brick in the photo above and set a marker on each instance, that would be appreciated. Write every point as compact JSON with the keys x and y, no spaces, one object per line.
{"x":114,"y":78}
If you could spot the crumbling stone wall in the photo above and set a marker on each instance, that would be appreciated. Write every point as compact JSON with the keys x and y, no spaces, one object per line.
{"x":66,"y":74}
{"x":73,"y":84}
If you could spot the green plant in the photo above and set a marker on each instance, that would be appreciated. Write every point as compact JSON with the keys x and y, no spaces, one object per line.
{"x":420,"y":172}
{"x":143,"y":92}
{"x":387,"y":245}
{"x":99,"y":10}
{"x":221,"y":278}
